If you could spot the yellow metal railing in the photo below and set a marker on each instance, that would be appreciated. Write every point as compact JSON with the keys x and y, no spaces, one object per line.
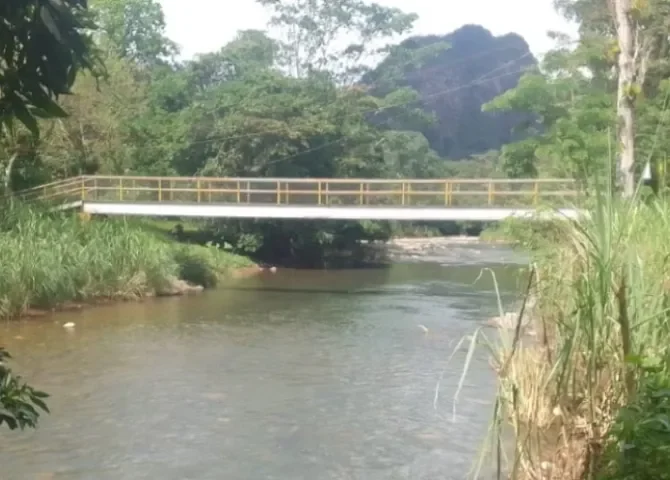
{"x":306,"y":192}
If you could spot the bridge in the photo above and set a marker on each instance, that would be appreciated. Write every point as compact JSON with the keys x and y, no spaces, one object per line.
{"x":307,"y":198}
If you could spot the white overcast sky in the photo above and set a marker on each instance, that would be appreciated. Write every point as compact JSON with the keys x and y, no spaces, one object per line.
{"x":200,"y":26}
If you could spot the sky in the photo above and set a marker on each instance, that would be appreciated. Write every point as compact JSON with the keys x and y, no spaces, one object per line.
{"x":201,"y":26}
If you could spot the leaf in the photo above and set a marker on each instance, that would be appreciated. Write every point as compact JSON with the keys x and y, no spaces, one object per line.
{"x":50,"y":109}
{"x":635,"y":360}
{"x":50,"y":23}
{"x":11,"y":422}
{"x":40,"y":404}
{"x":25,"y":117}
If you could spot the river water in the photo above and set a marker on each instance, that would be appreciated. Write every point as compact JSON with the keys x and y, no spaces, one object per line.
{"x":294,"y":375}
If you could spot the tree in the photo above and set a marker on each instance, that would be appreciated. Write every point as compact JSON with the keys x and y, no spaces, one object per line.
{"x":626,"y":93}
{"x":576,"y":118}
{"x":134,"y":30}
{"x":95,"y":137}
{"x":43,"y":44}
{"x":312,"y":29}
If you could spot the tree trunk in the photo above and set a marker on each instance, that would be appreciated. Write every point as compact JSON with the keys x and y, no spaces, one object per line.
{"x":626,"y":96}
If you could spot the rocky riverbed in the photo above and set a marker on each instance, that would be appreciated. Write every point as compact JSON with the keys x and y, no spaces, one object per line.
{"x":447,"y":249}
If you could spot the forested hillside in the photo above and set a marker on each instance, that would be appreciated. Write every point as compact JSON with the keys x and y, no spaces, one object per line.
{"x":455,"y":83}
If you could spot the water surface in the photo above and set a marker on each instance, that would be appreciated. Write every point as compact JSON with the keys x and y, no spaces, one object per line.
{"x":295,"y":375}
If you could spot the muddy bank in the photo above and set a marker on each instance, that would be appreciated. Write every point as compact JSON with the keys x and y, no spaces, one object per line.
{"x":175,"y":287}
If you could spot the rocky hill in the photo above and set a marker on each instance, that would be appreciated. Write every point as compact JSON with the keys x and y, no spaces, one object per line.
{"x":474,"y":68}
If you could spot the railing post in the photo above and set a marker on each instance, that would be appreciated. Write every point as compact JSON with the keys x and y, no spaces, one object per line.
{"x":238,"y":192}
{"x":402,"y":193}
{"x":160,"y":190}
{"x":171,"y":190}
{"x":491,"y":193}
{"x":83,"y":189}
{"x":360,"y":194}
{"x":327,"y":193}
{"x":536,"y":193}
{"x":120,"y":189}
{"x":318,"y":189}
{"x":446,"y":193}
{"x":95,"y":188}
{"x":278,"y":193}
{"x":197,"y":189}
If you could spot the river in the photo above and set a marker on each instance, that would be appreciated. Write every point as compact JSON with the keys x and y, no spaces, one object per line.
{"x":310,"y":375}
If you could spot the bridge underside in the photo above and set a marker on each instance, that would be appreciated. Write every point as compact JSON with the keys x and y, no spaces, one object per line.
{"x":406,"y":213}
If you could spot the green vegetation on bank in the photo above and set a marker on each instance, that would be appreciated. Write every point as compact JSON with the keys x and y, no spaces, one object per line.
{"x":587,"y":396}
{"x":47,"y":260}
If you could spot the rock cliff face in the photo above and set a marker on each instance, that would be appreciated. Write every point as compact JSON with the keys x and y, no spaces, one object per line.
{"x":455,"y":83}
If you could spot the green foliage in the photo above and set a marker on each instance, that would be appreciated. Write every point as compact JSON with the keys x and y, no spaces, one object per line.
{"x":639,"y":439}
{"x":47,"y":260}
{"x":312,"y":29}
{"x":195,"y":267}
{"x":20,"y":404}
{"x":43,"y":45}
{"x":134,"y":30}
{"x":572,"y":100}
{"x":600,"y":304}
{"x":205,"y":264}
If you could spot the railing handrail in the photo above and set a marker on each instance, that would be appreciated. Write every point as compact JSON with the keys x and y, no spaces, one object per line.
{"x":62,"y":181}
{"x":332,"y":191}
{"x":510,"y":181}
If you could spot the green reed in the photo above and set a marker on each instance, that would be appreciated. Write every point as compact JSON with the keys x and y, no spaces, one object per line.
{"x":601,"y":292}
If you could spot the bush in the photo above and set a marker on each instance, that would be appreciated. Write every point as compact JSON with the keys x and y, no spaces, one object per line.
{"x":20,"y":404}
{"x":196,"y":267}
{"x":639,"y":440}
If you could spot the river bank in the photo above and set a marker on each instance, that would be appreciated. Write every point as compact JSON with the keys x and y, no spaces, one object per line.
{"x":176,"y":287}
{"x":590,"y":380}
{"x":63,"y":263}
{"x":58,"y":262}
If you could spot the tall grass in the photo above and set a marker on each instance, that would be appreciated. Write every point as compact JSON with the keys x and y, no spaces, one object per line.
{"x":49,"y":259}
{"x":600,"y":314}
